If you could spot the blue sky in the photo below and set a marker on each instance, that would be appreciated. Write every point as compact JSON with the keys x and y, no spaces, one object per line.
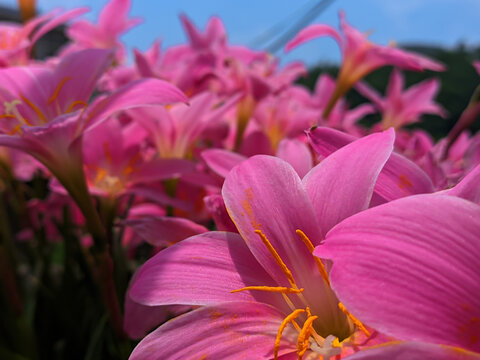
{"x":439,"y":22}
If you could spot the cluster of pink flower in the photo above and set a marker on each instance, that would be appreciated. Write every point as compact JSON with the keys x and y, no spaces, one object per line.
{"x":331,"y":238}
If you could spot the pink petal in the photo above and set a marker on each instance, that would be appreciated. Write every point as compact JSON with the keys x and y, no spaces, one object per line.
{"x":161,"y":169}
{"x":265,"y":193}
{"x":140,"y":319}
{"x":414,"y":351}
{"x":225,"y":331}
{"x":83,"y":69}
{"x":113,"y":19}
{"x":370,"y":93}
{"x":342,"y":184}
{"x":222,"y":161}
{"x":476,"y":65}
{"x":215,"y":206}
{"x":469,"y":187}
{"x":297,"y":154}
{"x":409,"y":269}
{"x":56,"y":21}
{"x":164,"y":231}
{"x":400,"y":177}
{"x":312,"y":32}
{"x":145,"y":92}
{"x":143,"y":65}
{"x":200,"y":270}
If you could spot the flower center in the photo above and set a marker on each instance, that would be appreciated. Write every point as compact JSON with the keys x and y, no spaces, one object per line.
{"x":307,"y":338}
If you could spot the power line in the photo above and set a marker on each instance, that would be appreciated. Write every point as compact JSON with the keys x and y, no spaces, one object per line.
{"x":274,"y":40}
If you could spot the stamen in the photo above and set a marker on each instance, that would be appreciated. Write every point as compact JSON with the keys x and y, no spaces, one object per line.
{"x":12,"y":112}
{"x":16,"y":129}
{"x":277,"y":258}
{"x":57,"y":90}
{"x":279,"y":289}
{"x":35,"y":108}
{"x":75,"y":103}
{"x":354,"y":319}
{"x":302,"y":340}
{"x":283,"y":325}
{"x":310,"y":247}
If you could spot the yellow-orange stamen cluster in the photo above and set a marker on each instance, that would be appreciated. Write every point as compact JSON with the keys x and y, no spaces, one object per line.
{"x":307,"y":330}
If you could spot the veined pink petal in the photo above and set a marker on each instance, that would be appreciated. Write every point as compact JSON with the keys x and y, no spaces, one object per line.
{"x":297,"y":154}
{"x":400,"y":177}
{"x":409,"y":269}
{"x":222,"y":161}
{"x":342,"y":184}
{"x":312,"y":32}
{"x":256,"y":195}
{"x":75,"y":79}
{"x":265,"y":193}
{"x":139,"y":319}
{"x":164,"y":231}
{"x":226,"y":331}
{"x":201,"y":270}
{"x":414,"y":351}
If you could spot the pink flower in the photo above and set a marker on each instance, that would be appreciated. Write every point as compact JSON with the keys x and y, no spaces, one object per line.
{"x":113,"y":163}
{"x":263,"y":294}
{"x":175,"y":131}
{"x":360,"y":57}
{"x":400,"y":108}
{"x":16,"y":41}
{"x":340,"y":117}
{"x":409,"y":268}
{"x":112,"y":22}
{"x":46,"y":112}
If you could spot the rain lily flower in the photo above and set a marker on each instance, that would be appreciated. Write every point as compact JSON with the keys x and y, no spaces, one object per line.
{"x":113,"y":162}
{"x":263,"y":293}
{"x":400,"y":108}
{"x":45,"y":113}
{"x":409,"y":269}
{"x":112,"y":22}
{"x":284,"y":115}
{"x":17,"y":41}
{"x":359,"y":56}
{"x":175,"y":131}
{"x":340,"y":117}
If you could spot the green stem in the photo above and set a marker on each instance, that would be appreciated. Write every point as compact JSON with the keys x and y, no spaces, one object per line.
{"x":102,"y":268}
